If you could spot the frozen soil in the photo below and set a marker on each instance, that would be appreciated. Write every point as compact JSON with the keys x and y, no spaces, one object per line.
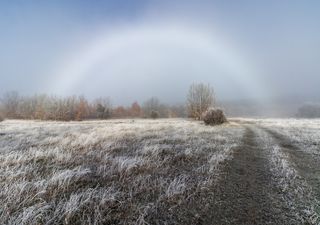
{"x":158,"y":172}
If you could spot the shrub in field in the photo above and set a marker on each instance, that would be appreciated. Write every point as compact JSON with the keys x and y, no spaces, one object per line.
{"x":1,"y":118}
{"x":214,"y":117}
{"x":154,"y":114}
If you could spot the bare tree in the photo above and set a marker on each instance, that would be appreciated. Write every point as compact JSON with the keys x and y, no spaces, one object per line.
{"x":120,"y":112}
{"x":82,"y":110}
{"x":10,"y":102}
{"x":43,"y":107}
{"x":177,"y":111}
{"x":1,"y":116}
{"x":135,"y":110}
{"x":69,"y":108}
{"x":152,"y":104}
{"x":200,"y":98}
{"x":103,"y":108}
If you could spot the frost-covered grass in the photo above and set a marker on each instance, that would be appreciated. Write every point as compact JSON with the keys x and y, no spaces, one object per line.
{"x":303,"y":132}
{"x":295,"y":155}
{"x":296,"y":192}
{"x":109,"y":172}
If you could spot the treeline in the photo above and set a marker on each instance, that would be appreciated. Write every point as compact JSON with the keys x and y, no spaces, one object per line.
{"x":309,"y":110}
{"x":44,"y":107}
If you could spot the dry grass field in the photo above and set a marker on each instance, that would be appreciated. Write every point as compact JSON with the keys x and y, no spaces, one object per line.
{"x":166,"y":171}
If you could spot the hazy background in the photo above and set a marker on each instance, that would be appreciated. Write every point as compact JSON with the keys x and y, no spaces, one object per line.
{"x":131,"y":50}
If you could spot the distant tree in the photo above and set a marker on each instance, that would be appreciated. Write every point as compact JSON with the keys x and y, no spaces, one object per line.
{"x":25,"y":108}
{"x":82,"y":110}
{"x":200,"y":97}
{"x":103,"y":108}
{"x":40,"y":114}
{"x":62,"y":110}
{"x":40,"y":110}
{"x":44,"y":107}
{"x":100,"y":110}
{"x":152,"y":104}
{"x":10,"y":102}
{"x":50,"y":106}
{"x":135,"y":110}
{"x":164,"y":111}
{"x":72,"y":107}
{"x":92,"y":111}
{"x":1,"y":112}
{"x":177,"y":111}
{"x":309,"y":111}
{"x":120,"y":112}
{"x":172,"y":113}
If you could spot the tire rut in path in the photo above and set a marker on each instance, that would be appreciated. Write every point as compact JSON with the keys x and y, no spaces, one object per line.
{"x":243,"y":192}
{"x":305,"y":163}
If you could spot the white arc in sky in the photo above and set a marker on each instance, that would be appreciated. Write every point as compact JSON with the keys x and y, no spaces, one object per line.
{"x":117,"y":42}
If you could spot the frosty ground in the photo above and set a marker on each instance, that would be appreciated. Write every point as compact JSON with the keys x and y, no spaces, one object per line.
{"x":166,"y":171}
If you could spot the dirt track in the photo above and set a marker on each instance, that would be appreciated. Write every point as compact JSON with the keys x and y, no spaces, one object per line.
{"x":249,"y":191}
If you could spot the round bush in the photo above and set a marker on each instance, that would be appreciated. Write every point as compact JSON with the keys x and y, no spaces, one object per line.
{"x":214,"y":117}
{"x":154,"y":114}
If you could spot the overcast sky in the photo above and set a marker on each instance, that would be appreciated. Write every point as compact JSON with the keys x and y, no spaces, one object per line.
{"x":131,"y":50}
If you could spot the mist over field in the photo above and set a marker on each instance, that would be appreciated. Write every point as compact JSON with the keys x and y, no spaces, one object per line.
{"x":265,"y":52}
{"x":145,"y":112}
